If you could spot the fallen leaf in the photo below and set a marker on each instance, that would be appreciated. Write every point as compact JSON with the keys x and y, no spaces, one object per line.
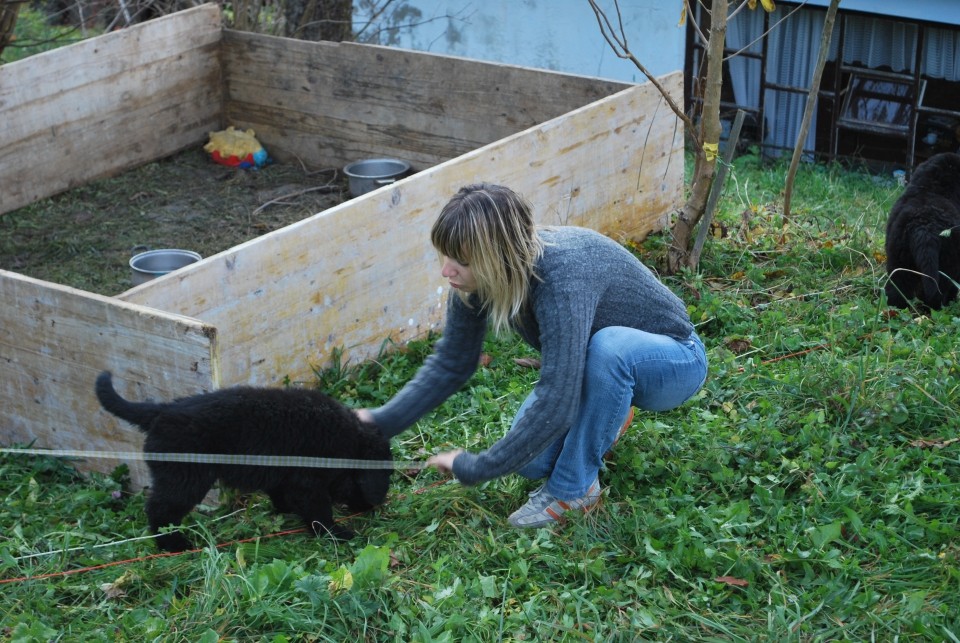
{"x":739,"y":346}
{"x":718,"y":230}
{"x":730,"y":580}
{"x":936,"y":443}
{"x":112,"y":591}
{"x":527,"y":362}
{"x":341,"y":580}
{"x":116,"y":588}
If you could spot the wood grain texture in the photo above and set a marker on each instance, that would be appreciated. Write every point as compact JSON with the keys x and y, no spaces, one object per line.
{"x":584,"y":151}
{"x":347,"y":101}
{"x":104,"y":105}
{"x":362,"y":273}
{"x":55,"y":340}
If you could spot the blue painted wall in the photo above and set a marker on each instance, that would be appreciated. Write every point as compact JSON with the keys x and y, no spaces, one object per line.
{"x":559,"y":35}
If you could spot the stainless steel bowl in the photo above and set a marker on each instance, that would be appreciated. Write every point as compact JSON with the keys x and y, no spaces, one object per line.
{"x":370,"y":174}
{"x":154,"y":263}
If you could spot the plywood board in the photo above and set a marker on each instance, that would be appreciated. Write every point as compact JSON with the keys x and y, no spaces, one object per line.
{"x":104,"y":105}
{"x":364,"y":272}
{"x":55,"y":340}
{"x":583,"y":151}
{"x":332,"y":103}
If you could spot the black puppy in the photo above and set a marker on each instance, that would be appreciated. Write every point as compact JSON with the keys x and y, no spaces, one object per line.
{"x":255,"y":421}
{"x":923,"y":235}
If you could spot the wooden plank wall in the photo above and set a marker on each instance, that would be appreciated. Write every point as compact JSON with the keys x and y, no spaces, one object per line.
{"x":328,"y":104}
{"x":99,"y":107}
{"x":583,"y":151}
{"x":55,"y":340}
{"x":364,"y":271}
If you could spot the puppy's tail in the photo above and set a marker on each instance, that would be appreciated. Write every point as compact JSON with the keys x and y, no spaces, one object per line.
{"x":141,"y":414}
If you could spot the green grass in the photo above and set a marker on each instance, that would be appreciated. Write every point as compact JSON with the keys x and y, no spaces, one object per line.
{"x":33,"y":35}
{"x":810,"y":492}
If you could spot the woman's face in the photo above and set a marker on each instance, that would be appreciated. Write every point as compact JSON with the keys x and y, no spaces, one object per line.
{"x":459,"y":275}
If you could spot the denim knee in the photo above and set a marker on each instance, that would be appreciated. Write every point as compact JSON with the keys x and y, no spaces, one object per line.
{"x":605,"y":354}
{"x":660,"y":372}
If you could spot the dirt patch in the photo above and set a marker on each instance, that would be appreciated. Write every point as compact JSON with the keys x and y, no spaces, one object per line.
{"x":85,"y":237}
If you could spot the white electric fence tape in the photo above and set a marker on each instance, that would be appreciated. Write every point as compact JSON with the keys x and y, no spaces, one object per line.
{"x":226,"y":458}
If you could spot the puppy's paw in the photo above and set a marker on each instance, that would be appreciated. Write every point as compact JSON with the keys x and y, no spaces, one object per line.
{"x":173,"y":542}
{"x":335,"y":531}
{"x":280,"y":503}
{"x":342,"y":533}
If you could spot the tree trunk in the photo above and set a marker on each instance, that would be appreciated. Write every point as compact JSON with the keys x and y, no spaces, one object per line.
{"x":320,"y":19}
{"x":8,"y":19}
{"x":705,"y":162}
{"x":825,"y":39}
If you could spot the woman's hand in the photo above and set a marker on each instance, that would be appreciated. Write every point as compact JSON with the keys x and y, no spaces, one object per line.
{"x":364,"y":415}
{"x":444,"y":461}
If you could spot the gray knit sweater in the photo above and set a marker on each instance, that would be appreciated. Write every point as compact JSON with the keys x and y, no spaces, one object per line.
{"x":587,"y":282}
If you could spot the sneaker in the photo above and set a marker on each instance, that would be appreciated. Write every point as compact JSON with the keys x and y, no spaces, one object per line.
{"x":623,"y":429}
{"x":543,"y":509}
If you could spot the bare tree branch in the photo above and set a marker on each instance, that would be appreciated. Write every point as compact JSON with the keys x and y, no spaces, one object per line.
{"x":696,"y":27}
{"x":620,"y":48}
{"x":767,"y":32}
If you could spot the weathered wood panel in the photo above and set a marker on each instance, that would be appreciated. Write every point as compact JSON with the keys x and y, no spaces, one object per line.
{"x":364,"y":271}
{"x":54,"y":340}
{"x":331,"y":103}
{"x":104,"y":105}
{"x":353,"y":276}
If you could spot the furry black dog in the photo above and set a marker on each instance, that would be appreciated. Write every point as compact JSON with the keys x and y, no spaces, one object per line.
{"x":254,"y":421}
{"x":923,"y":235}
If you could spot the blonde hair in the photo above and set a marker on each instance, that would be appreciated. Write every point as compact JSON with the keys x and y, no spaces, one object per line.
{"x":490,"y":228}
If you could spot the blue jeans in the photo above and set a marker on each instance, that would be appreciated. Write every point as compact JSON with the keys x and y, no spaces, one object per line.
{"x":625,"y":367}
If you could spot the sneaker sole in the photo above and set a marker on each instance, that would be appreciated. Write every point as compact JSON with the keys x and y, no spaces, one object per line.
{"x":559,"y":517}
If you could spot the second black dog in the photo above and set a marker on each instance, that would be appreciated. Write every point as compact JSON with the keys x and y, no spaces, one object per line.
{"x":255,"y":421}
{"x":923,"y":235}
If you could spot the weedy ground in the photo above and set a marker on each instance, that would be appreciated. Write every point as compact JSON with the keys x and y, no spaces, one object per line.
{"x":85,"y":237}
{"x":810,"y":492}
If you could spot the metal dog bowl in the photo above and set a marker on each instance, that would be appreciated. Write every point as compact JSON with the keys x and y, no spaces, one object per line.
{"x":370,"y":174}
{"x":154,"y":263}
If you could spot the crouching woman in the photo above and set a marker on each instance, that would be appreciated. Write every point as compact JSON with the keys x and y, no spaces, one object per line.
{"x":611,"y":337}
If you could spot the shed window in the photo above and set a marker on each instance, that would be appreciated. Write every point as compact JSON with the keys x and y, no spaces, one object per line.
{"x":878,"y":104}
